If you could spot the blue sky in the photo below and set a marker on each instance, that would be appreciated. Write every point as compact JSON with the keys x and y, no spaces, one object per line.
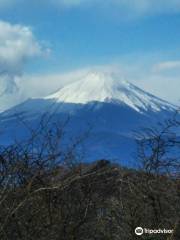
{"x":142,"y":37}
{"x":80,"y":35}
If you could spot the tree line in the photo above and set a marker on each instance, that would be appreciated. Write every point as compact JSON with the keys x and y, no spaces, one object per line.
{"x":47,"y":193}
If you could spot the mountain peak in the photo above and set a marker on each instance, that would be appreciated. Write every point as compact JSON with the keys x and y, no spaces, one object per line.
{"x":108,"y":87}
{"x":104,"y":78}
{"x":94,"y":86}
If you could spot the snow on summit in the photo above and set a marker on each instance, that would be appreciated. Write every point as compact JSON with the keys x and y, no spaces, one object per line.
{"x":108,"y":87}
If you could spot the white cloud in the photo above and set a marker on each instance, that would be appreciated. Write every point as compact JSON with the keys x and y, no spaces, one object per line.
{"x":124,"y":8}
{"x":166,"y":66}
{"x":17,"y":46}
{"x":8,"y":3}
{"x":132,"y":7}
{"x":32,"y":84}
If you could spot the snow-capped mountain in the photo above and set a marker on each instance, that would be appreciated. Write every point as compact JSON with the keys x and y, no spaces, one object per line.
{"x":101,"y":87}
{"x":112,"y":107}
